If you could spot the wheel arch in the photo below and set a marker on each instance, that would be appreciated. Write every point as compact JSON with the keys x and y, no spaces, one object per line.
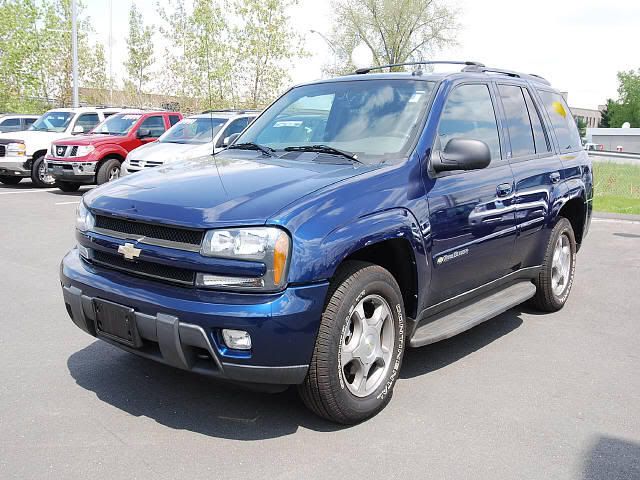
{"x":575,"y":210}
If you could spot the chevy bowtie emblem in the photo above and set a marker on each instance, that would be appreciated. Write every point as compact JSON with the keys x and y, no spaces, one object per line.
{"x":129,"y":251}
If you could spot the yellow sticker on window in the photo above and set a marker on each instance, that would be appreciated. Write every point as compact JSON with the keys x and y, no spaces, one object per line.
{"x":559,"y":109}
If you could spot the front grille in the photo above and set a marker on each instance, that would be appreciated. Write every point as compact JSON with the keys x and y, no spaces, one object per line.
{"x":3,"y":150}
{"x":160,"y":232}
{"x":74,"y":150}
{"x":146,"y":269}
{"x":60,"y":150}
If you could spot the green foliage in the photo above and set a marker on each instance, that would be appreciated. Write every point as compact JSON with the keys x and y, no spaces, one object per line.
{"x":582,"y":127}
{"x":627,"y":108}
{"x":617,"y":187}
{"x":35,"y":54}
{"x":605,"y":117}
{"x":140,"y":51}
{"x":395,"y":31}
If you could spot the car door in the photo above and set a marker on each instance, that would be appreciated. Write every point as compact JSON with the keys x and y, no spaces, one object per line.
{"x":87,"y":121}
{"x":536,"y":167}
{"x":155,"y":125}
{"x":471,"y":213}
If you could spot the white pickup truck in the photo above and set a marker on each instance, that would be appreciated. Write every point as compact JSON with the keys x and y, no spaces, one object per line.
{"x":22,"y":153}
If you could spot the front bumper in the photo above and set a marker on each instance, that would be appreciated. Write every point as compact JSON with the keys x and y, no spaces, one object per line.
{"x":180,"y":326}
{"x":15,"y":166}
{"x":65,"y":171}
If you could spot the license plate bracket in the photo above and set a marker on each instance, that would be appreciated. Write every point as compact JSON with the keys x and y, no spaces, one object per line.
{"x":117,"y":322}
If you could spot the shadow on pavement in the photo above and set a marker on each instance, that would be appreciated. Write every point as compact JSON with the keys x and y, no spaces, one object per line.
{"x":612,"y":458}
{"x":419,"y":361}
{"x":187,"y":401}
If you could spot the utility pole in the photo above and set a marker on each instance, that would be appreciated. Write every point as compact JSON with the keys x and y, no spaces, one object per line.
{"x":74,"y":51}
{"x":111,"y":52}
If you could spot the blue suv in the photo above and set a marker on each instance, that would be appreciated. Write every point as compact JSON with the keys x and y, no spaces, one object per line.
{"x":354,"y":218}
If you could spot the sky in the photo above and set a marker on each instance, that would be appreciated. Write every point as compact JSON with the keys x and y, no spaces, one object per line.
{"x":578,"y":45}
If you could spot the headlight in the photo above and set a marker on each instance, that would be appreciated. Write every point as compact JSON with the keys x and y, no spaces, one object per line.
{"x":85,"y":150}
{"x":19,"y":149}
{"x":267,"y":245}
{"x":85,"y":220}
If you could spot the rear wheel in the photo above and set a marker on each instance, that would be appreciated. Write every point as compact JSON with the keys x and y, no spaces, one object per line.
{"x":558,"y":269}
{"x":7,"y":180}
{"x":68,"y":186}
{"x":39,"y":175}
{"x":359,"y":348}
{"x":108,"y":171}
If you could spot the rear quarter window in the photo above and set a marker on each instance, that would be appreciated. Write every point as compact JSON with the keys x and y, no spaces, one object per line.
{"x":562,"y":121}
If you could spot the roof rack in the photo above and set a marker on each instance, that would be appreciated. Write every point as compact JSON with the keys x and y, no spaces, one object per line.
{"x":361,"y":71}
{"x":502,"y":71}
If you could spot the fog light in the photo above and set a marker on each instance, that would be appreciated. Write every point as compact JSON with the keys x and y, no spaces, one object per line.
{"x":236,"y":339}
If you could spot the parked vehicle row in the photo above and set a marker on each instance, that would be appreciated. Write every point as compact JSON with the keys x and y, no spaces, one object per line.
{"x":354,"y":218}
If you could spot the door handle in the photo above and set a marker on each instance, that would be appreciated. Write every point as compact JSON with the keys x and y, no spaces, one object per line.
{"x":503,"y":189}
{"x":555,"y":177}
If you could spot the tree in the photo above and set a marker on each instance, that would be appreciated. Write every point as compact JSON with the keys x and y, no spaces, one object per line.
{"x":266,"y":46}
{"x":395,"y":31}
{"x":140,"y":51}
{"x":582,"y":127}
{"x":627,"y":108}
{"x":605,"y":115}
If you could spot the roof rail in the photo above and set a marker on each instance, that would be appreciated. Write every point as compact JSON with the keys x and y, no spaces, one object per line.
{"x":502,"y":71}
{"x":361,"y":71}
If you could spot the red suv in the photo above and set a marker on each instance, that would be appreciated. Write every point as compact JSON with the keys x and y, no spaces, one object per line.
{"x":96,"y":157}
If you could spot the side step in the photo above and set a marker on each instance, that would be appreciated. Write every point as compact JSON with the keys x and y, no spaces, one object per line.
{"x":463,"y":317}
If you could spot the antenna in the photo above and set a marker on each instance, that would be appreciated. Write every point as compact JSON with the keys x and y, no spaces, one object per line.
{"x":206,"y":44}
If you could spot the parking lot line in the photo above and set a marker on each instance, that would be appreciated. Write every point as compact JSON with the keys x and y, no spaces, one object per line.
{"x":33,"y":190}
{"x":68,"y":203}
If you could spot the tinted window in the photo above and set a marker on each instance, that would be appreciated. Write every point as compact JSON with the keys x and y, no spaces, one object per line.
{"x":88,"y":121}
{"x":539,"y":134}
{"x":173,"y":119}
{"x":10,"y":125}
{"x":562,"y":121}
{"x":518,"y":123}
{"x":469,"y":113}
{"x":29,"y":121}
{"x":155,"y":125}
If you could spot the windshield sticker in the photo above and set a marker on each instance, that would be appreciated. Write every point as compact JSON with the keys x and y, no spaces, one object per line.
{"x":416,"y":96}
{"x":288,"y":123}
{"x":130,"y":117}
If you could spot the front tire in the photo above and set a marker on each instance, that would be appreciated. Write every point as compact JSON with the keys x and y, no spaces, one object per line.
{"x":359,"y":348}
{"x":39,"y":175}
{"x":108,"y":171}
{"x":7,"y":180}
{"x":558,"y":269}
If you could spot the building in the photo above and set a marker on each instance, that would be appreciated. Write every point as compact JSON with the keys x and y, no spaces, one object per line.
{"x":589,"y":116}
{"x":613,"y":138}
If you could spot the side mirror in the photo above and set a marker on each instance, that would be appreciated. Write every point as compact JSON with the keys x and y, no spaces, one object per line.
{"x":144,"y":133}
{"x":462,"y":154}
{"x":230,"y":139}
{"x":77,"y":130}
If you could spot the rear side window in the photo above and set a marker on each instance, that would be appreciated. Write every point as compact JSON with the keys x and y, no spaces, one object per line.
{"x":173,"y":119}
{"x":518,"y":123}
{"x":562,"y":121}
{"x":469,"y":113}
{"x":29,"y":121}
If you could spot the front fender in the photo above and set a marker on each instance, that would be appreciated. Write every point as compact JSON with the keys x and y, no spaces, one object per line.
{"x":104,"y":150}
{"x":343,"y":241}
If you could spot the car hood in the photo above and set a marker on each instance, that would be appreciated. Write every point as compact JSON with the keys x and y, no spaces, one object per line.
{"x":33,"y":139}
{"x":91,"y":139}
{"x":243,"y":188}
{"x":168,"y":152}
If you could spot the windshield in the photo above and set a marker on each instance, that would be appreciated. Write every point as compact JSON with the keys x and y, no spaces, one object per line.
{"x":119,"y":124}
{"x":193,"y":130}
{"x":52,"y":122}
{"x":373,"y":119}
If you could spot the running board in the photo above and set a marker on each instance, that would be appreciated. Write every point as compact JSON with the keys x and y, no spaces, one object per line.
{"x":463,"y":317}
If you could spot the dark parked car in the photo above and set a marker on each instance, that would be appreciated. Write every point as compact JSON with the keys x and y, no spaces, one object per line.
{"x":354,"y":218}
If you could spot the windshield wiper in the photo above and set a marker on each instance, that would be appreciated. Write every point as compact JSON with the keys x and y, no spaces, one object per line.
{"x":252,"y":146}
{"x":324,"y":149}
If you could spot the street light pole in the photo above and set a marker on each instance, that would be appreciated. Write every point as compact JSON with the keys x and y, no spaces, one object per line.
{"x":324,"y":37}
{"x":74,"y":51}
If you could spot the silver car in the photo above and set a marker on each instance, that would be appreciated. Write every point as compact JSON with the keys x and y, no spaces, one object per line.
{"x":192,"y":137}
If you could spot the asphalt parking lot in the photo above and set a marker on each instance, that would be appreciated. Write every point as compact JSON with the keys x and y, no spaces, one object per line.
{"x":523,"y":396}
